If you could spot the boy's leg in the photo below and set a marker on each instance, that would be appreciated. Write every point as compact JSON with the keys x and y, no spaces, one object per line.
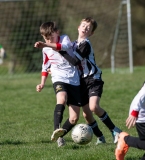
{"x":58,"y":115}
{"x":73,"y":101}
{"x":122,"y":147}
{"x":74,"y":112}
{"x":95,"y":92}
{"x":93,"y":124}
{"x":114,"y":130}
{"x":61,"y":98}
{"x":124,"y":142}
{"x":135,"y":142}
{"x":140,"y":127}
{"x":98,"y":133}
{"x":101,"y":113}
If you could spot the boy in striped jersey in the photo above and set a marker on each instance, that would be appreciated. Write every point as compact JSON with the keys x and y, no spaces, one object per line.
{"x":90,"y":77}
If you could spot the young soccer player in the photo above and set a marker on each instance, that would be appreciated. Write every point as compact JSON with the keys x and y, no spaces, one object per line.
{"x":136,"y":117}
{"x":52,"y":39}
{"x":64,"y":76}
{"x":91,"y":81}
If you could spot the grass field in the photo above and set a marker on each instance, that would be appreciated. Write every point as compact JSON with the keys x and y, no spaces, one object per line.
{"x":26,"y":121}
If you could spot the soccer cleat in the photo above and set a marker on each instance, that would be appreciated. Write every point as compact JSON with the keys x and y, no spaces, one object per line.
{"x":57,"y":133}
{"x":115,"y":133}
{"x":100,"y":140}
{"x":60,"y":142}
{"x":122,"y":147}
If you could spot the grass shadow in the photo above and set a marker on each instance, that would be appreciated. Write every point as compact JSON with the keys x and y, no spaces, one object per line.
{"x":10,"y":142}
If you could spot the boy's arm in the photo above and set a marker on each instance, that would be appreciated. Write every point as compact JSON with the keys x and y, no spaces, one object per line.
{"x":73,"y":60}
{"x":81,"y":52}
{"x":40,"y":86}
{"x":40,"y":44}
{"x":64,"y":45}
{"x":44,"y":74}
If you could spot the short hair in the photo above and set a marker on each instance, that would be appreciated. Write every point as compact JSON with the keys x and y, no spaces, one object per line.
{"x":47,"y":28}
{"x":92,"y":21}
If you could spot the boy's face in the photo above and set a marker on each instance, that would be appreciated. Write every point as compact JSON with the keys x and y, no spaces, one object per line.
{"x":53,"y":38}
{"x":85,"y":29}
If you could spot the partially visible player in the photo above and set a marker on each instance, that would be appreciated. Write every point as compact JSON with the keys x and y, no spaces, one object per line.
{"x":65,"y":79}
{"x":2,"y":54}
{"x":136,"y":118}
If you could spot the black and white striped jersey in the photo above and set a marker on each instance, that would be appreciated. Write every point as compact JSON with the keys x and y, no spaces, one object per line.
{"x":84,"y":52}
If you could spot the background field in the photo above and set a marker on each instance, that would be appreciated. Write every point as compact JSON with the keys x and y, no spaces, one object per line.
{"x":19,"y":30}
{"x":26,"y":120}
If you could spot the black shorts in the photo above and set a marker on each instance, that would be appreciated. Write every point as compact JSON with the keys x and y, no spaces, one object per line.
{"x":73,"y":92}
{"x":90,"y":87}
{"x":140,"y":127}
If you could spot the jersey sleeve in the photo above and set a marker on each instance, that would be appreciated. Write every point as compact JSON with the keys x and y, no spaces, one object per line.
{"x":45,"y":65}
{"x":64,"y":44}
{"x":138,"y":102}
{"x":72,"y":60}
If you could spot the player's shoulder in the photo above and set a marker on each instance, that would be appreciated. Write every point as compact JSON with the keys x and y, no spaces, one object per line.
{"x":64,"y":36}
{"x":88,"y":41}
{"x":46,"y":49}
{"x":85,"y":43}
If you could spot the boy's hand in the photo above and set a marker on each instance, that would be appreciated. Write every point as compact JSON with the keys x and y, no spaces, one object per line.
{"x":40,"y":44}
{"x":49,"y":71}
{"x":39,"y":87}
{"x":130,"y":121}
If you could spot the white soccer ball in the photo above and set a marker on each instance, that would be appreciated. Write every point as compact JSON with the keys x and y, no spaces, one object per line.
{"x":82,"y":134}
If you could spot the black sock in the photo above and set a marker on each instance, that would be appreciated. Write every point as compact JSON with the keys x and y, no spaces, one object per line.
{"x":107,"y":121}
{"x":134,"y":142}
{"x":67,"y":126}
{"x":96,"y":129}
{"x":58,"y":115}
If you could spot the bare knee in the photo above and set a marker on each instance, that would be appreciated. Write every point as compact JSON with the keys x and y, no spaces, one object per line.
{"x":85,"y":115}
{"x":97,"y":110}
{"x":89,"y":118}
{"x":73,"y":120}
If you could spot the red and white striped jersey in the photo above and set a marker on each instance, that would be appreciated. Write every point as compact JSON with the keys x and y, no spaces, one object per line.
{"x":61,"y":69}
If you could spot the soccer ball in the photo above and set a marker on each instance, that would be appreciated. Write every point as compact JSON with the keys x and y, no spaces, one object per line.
{"x":82,"y":134}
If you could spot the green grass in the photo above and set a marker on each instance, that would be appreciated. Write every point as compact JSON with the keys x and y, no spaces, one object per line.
{"x":26,"y":121}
